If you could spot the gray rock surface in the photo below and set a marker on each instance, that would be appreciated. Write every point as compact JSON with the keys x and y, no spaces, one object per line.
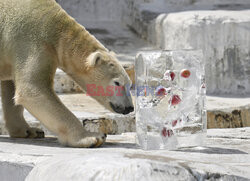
{"x":141,"y":13}
{"x":224,"y":38}
{"x":225,"y":157}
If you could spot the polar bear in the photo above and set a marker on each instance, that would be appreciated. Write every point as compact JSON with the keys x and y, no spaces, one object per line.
{"x":36,"y":38}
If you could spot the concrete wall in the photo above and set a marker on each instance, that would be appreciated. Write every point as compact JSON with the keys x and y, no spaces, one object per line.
{"x":224,"y":37}
{"x":94,"y":10}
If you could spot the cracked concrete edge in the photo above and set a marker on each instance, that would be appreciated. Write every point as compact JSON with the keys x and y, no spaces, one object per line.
{"x":229,"y":118}
{"x":159,"y":170}
{"x":118,"y":124}
{"x":109,"y":124}
{"x":226,"y":118}
{"x":174,"y":166}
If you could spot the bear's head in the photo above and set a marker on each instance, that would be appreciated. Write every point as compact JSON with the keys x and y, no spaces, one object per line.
{"x":105,"y":80}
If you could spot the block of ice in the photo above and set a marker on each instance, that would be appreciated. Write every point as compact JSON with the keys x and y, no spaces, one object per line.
{"x":170,"y":99}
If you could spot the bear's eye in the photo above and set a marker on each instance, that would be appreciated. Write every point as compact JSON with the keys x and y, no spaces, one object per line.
{"x":117,"y":83}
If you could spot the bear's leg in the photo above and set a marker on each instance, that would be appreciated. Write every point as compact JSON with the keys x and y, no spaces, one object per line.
{"x":13,"y":115}
{"x":35,"y":92}
{"x":47,"y":108}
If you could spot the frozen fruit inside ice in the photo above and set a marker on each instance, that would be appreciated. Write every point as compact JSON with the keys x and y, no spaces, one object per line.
{"x":185,"y":73}
{"x":175,"y":100}
{"x":169,"y":74}
{"x":161,"y":91}
{"x":172,"y":75}
{"x":171,"y":115}
{"x":166,"y":132}
{"x":174,"y":123}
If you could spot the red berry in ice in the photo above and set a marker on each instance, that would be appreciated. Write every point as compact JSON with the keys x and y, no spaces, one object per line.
{"x":172,"y":75}
{"x":185,"y":73}
{"x":161,"y":91}
{"x":169,"y":74}
{"x":175,"y":100}
{"x":166,"y":132}
{"x":174,"y":123}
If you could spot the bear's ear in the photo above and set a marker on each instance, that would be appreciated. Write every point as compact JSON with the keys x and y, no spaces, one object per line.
{"x":94,"y":59}
{"x":112,"y":53}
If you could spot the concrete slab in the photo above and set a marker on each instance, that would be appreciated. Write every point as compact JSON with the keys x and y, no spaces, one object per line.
{"x":226,"y":157}
{"x":223,"y":112}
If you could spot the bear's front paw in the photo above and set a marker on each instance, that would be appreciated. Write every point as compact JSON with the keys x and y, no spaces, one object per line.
{"x":90,"y":140}
{"x":28,"y":132}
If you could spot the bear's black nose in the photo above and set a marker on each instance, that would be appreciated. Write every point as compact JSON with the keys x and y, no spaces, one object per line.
{"x":131,"y":108}
{"x":121,"y":110}
{"x":128,"y":110}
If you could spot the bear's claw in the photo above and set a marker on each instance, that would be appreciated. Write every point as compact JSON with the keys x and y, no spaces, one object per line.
{"x":27,"y":133}
{"x":34,"y":133}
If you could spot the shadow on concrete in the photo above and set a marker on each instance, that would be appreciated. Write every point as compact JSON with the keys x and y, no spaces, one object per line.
{"x":212,"y":150}
{"x":53,"y":142}
{"x":48,"y":141}
{"x":120,"y":145}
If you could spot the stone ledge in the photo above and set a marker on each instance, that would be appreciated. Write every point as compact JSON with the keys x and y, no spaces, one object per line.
{"x":222,"y":113}
{"x":228,"y":112}
{"x":230,"y":118}
{"x":109,"y":124}
{"x":226,"y":157}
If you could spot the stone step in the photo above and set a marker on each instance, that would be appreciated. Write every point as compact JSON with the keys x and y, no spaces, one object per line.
{"x":222,"y":113}
{"x":94,"y":116}
{"x":224,"y":157}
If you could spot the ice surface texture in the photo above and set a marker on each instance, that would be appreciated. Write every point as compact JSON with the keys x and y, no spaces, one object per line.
{"x":170,"y":99}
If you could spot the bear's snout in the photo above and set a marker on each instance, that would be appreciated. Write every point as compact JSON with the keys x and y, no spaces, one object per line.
{"x":120,"y":110}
